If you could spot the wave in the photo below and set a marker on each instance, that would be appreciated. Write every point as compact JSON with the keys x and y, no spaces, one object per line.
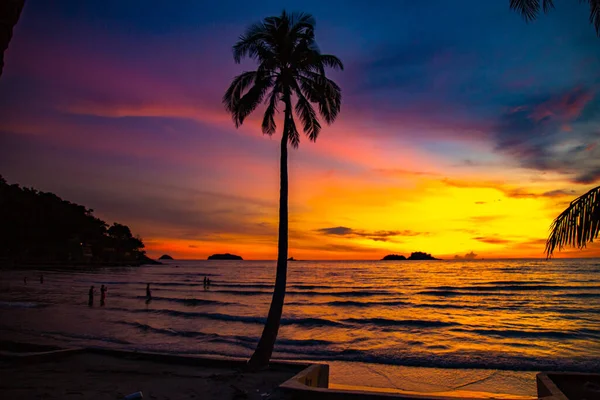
{"x":352,"y":303}
{"x":187,"y":302}
{"x":508,"y":333}
{"x":413,"y":323}
{"x":580,"y":295}
{"x":448,"y":293}
{"x":309,"y":293}
{"x":512,"y":287}
{"x":308,"y":321}
{"x":213,"y":337}
{"x":20,"y":304}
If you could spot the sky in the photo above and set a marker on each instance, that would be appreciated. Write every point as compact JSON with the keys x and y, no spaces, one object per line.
{"x":462,"y":127}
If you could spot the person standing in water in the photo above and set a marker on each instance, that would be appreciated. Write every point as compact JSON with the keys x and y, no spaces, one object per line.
{"x":103,"y":290}
{"x":91,"y":296}
{"x":25,"y":280}
{"x":148,"y":294}
{"x":42,"y":278}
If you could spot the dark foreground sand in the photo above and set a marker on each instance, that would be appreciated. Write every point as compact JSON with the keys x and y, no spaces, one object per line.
{"x":93,"y":376}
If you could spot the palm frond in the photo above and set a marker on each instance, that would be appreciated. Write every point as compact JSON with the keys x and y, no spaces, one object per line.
{"x":578,"y":225}
{"x":548,"y":5}
{"x":323,"y":91}
{"x":529,"y":9}
{"x":307,"y":114}
{"x":247,"y":43}
{"x":249,"y":101}
{"x":293,"y":135}
{"x":595,"y":14}
{"x":268,"y":124}
{"x":238,"y":85}
{"x":332,"y":62}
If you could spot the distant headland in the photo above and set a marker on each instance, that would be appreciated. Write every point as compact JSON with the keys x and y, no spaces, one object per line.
{"x":41,"y":229}
{"x":417,"y":255}
{"x":225,"y":256}
{"x":165,"y":257}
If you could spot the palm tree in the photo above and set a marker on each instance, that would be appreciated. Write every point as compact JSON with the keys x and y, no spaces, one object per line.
{"x":578,"y":224}
{"x":10,"y":10}
{"x":290,"y":66}
{"x":531,"y":8}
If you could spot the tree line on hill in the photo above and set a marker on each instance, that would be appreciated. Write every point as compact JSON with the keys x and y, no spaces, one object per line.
{"x":39,"y":227}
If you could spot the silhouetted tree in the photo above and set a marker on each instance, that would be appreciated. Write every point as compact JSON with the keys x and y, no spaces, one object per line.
{"x":41,"y":227}
{"x":578,"y":224}
{"x":290,"y":66}
{"x":10,"y":11}
{"x":530,"y":9}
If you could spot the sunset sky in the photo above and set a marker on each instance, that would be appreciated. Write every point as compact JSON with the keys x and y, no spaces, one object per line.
{"x":462,"y":127}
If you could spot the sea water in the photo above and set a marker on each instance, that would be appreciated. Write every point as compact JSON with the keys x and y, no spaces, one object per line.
{"x":491,"y":317}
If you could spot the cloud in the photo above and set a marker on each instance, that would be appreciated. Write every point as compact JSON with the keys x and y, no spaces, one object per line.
{"x":378,"y":236}
{"x":534,"y":135}
{"x":512,"y":192}
{"x":492,"y":240}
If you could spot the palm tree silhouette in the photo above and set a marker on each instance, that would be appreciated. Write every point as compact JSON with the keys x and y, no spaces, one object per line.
{"x":578,"y":224}
{"x":289,"y":65}
{"x":530,"y":9}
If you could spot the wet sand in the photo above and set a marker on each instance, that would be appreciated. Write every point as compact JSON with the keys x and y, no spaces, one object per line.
{"x":95,"y":376}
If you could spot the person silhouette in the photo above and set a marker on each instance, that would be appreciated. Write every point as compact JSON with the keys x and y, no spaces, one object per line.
{"x":148,"y":294}
{"x":42,"y":278}
{"x":25,"y":280}
{"x":91,"y":296}
{"x":103,"y":290}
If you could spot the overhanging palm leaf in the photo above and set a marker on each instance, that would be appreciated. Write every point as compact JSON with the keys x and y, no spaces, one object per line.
{"x":290,"y":68}
{"x":530,"y":9}
{"x":578,"y":225}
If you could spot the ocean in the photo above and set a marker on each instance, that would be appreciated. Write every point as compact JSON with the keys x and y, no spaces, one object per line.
{"x":501,"y":315}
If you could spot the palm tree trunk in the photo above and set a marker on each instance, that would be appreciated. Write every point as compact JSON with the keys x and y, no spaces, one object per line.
{"x":264,"y":349}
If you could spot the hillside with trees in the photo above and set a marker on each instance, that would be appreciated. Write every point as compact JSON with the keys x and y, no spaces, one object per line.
{"x":41,"y":228}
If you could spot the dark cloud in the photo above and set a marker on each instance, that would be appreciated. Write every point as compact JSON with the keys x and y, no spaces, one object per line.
{"x":558,"y":132}
{"x":378,"y":236}
{"x":492,"y":240}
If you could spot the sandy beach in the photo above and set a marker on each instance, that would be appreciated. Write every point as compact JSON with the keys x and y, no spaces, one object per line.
{"x":95,"y":376}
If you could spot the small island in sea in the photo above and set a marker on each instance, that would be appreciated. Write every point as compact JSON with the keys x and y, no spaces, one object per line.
{"x":292,"y":259}
{"x":225,"y":256}
{"x":165,"y":257}
{"x":417,"y":255}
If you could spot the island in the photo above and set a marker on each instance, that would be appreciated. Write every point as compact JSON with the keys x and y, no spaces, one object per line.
{"x":391,"y":257}
{"x":417,"y":255}
{"x":225,"y":256}
{"x":165,"y":257}
{"x":292,"y":259}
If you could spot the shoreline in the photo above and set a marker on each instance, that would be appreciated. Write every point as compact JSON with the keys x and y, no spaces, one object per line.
{"x":61,"y":266}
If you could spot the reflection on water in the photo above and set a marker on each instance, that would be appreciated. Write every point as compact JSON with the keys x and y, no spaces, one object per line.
{"x":511,"y":315}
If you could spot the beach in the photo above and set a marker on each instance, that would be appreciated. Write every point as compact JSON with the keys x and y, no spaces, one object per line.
{"x":96,"y":376}
{"x":413,"y":326}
